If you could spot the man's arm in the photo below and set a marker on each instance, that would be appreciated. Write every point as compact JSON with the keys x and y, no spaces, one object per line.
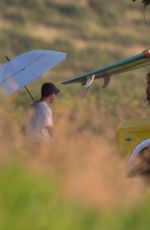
{"x":50,"y":130}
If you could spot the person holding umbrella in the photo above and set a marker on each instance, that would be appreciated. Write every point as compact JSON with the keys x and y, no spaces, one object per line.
{"x":40,"y":119}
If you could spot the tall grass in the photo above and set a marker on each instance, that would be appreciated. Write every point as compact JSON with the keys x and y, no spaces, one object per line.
{"x":82,"y":156}
{"x":29,"y":200}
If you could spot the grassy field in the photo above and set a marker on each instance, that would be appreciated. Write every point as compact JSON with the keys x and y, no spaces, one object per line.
{"x":79,"y":180}
{"x":32,"y":200}
{"x":35,"y":201}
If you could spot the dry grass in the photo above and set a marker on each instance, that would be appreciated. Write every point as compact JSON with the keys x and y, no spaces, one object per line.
{"x":86,"y":165}
{"x":46,"y":33}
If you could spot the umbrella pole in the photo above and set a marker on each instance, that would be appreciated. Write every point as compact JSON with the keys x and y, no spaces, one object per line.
{"x":30,"y":94}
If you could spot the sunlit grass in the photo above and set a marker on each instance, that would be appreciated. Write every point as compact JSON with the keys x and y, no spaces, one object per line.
{"x":81,"y":153}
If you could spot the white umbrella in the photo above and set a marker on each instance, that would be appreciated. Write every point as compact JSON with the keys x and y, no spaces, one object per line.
{"x":26,"y":67}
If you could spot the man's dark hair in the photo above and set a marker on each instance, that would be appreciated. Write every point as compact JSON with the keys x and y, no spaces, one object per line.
{"x":48,"y":89}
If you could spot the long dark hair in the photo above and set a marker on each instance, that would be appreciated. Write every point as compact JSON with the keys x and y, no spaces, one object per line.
{"x":148,"y":88}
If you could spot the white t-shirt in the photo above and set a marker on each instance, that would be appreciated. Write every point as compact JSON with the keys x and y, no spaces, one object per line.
{"x":40,"y":116}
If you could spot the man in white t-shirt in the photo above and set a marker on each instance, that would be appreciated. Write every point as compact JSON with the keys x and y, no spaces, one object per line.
{"x":40,"y":120}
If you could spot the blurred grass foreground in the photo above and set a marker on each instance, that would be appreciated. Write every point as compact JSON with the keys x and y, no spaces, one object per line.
{"x":29,"y":201}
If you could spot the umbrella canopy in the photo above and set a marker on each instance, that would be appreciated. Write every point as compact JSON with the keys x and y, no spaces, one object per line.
{"x":23,"y":69}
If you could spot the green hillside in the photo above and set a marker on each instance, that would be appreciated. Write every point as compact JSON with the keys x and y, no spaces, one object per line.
{"x":93,"y":33}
